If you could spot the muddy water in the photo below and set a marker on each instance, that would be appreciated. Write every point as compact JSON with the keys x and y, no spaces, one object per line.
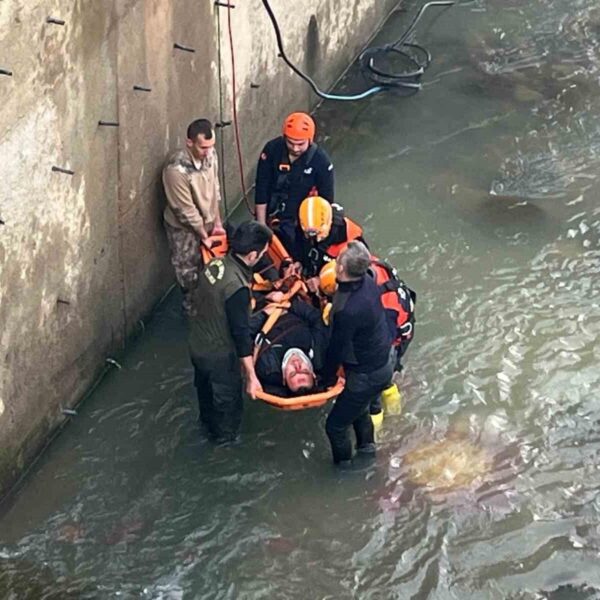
{"x":483,"y":190}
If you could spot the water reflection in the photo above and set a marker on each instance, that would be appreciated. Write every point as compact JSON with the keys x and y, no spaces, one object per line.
{"x":483,"y":190}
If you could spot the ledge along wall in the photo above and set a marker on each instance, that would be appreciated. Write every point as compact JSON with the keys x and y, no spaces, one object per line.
{"x":99,"y":90}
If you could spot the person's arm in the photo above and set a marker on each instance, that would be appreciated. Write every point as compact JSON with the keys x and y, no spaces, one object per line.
{"x":264,"y":182}
{"x":253,"y":385}
{"x":261,"y":213}
{"x":218,"y":225}
{"x":181,"y":202}
{"x":257,"y":320}
{"x":342,"y":331}
{"x":238,"y":318}
{"x":325,"y":179}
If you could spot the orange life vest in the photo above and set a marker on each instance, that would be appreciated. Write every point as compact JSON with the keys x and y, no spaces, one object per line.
{"x":396,"y":296}
{"x":353,"y":232}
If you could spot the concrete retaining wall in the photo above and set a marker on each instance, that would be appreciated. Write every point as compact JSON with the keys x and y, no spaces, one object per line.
{"x":83,"y":257}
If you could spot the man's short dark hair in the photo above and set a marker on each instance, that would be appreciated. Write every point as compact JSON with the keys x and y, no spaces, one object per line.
{"x":200,"y":126}
{"x":303,"y":391}
{"x":356,"y":259}
{"x":250,"y":236}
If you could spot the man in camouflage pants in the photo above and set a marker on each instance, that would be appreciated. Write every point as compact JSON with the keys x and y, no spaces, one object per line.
{"x":191,"y":182}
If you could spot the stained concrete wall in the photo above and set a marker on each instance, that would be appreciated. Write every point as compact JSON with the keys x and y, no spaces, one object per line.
{"x":83,"y":257}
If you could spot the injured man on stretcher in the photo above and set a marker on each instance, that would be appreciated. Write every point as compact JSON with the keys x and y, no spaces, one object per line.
{"x":290,"y":354}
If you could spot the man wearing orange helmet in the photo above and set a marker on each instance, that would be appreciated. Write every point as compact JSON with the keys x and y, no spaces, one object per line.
{"x":291,"y":167}
{"x":325,"y":233}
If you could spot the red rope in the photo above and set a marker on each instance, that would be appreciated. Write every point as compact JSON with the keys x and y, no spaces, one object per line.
{"x":235,"y":118}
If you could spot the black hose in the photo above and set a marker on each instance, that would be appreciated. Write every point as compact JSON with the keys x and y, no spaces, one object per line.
{"x":407,"y":80}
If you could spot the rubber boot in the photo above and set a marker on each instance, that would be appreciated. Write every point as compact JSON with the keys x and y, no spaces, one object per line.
{"x":392,"y":400}
{"x":377,"y":420}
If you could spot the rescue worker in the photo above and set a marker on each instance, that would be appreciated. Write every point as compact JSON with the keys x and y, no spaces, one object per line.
{"x":220,"y":337}
{"x":290,"y":168}
{"x":325,"y":233}
{"x":361,"y":342}
{"x":398,"y":301}
{"x":192,"y":214}
{"x":288,"y":356}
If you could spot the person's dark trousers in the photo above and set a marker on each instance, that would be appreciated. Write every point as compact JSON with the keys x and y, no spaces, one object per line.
{"x":376,"y":405}
{"x":397,"y":352}
{"x":218,"y":383}
{"x":352,"y":409}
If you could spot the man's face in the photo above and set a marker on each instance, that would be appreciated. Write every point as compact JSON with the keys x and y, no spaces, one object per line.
{"x":201,"y":147}
{"x":298,"y":374}
{"x":296,"y":148}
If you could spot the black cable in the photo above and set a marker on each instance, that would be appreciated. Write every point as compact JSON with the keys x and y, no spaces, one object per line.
{"x":407,"y":80}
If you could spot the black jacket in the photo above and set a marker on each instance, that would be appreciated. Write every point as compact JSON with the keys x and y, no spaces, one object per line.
{"x":279,"y":182}
{"x":360,"y":337}
{"x":301,"y":327}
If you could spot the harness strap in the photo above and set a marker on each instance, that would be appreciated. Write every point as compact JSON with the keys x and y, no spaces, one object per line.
{"x":280,"y":307}
{"x":284,"y":170}
{"x":391,"y":285}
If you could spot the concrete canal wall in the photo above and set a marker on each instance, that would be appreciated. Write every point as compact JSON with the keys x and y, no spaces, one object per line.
{"x":83,"y":256}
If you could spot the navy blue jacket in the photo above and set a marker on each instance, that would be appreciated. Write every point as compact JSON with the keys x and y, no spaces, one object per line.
{"x":360,"y":338}
{"x":279,"y":181}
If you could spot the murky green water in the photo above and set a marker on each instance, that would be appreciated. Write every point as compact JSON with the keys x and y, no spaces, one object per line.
{"x":483,"y":190}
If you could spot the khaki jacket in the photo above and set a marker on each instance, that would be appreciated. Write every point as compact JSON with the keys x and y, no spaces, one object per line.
{"x":192,"y":190}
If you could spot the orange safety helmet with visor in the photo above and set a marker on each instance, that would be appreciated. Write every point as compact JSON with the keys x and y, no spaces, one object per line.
{"x":315,"y":217}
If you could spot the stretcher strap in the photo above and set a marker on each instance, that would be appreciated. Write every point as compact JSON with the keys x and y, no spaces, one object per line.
{"x":279,"y":308}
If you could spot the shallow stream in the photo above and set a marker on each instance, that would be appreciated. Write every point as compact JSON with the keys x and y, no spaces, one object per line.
{"x":483,"y":190}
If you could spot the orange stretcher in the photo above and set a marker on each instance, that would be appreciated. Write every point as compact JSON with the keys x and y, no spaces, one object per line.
{"x":278,"y":255}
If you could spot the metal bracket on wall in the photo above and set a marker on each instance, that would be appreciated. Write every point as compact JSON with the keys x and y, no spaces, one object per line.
{"x":225,"y":4}
{"x":108,"y":124}
{"x":6,"y":72}
{"x":61,"y":170}
{"x":222,"y":124}
{"x":55,"y":21}
{"x":184,"y":48}
{"x":141,"y":88}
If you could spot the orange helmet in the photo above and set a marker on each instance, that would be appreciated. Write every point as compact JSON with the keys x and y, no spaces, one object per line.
{"x":315,"y":217}
{"x":299,"y":126}
{"x":327,"y":281}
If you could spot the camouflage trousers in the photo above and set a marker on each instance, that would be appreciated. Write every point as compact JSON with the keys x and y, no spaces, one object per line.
{"x":186,"y":260}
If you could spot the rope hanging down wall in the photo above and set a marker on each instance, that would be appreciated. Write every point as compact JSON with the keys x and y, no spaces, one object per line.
{"x":236,"y":128}
{"x":221,"y":137}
